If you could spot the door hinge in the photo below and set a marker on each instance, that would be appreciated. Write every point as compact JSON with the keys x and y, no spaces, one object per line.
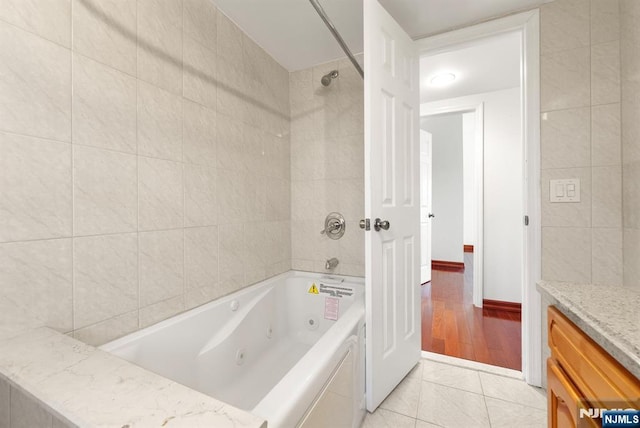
{"x":526,"y":220}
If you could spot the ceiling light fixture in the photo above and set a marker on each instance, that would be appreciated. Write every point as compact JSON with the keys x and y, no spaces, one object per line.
{"x":442,"y":79}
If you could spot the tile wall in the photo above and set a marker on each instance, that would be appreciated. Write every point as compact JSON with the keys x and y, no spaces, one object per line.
{"x":630,"y":81}
{"x":19,"y":410}
{"x":581,"y":138}
{"x":144,"y":161}
{"x":327,"y":166}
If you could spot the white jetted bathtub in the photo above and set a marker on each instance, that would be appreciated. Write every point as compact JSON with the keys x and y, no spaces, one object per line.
{"x":289,"y":349}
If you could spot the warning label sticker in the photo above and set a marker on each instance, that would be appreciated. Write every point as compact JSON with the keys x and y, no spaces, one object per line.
{"x":331,"y":308}
{"x":335,"y":291}
{"x":313,"y":289}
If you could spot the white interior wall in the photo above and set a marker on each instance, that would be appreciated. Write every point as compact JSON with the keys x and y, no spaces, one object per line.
{"x":468,"y":174}
{"x":447,"y":185}
{"x":503,"y":190}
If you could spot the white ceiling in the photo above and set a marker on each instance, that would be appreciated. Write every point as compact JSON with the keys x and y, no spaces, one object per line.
{"x":491,"y":65}
{"x":292,"y":33}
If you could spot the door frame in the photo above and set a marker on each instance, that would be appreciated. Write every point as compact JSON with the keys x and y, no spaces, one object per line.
{"x":478,"y":184}
{"x":528,"y":25}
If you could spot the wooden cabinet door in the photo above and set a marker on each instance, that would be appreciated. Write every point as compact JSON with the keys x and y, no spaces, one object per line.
{"x":563,"y":400}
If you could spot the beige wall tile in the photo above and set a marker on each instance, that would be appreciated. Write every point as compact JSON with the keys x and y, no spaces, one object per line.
{"x":278,"y":156}
{"x":308,"y":159}
{"x":200,"y":296}
{"x":301,"y":97}
{"x":201,"y":257}
{"x":277,"y":243}
{"x":577,"y":214}
{"x":278,"y":196}
{"x":630,"y":123}
{"x":606,"y":258}
{"x":105,"y":277}
{"x":303,"y":265}
{"x":632,"y":258}
{"x":607,"y":196}
{"x":200,"y":22}
{"x":255,"y":195}
{"x":159,"y":123}
{"x":105,"y":30}
{"x":564,"y":25}
{"x":302,"y":200}
{"x":108,"y":330}
{"x":62,"y":423}
{"x":605,"y":73}
{"x":253,"y":156}
{"x":105,"y":192}
{"x":49,"y":19}
{"x":230,"y":143}
{"x":160,"y":194}
{"x":351,"y":246}
{"x":605,"y":135}
{"x":255,"y":59}
{"x":200,"y":134}
{"x":229,"y":40}
{"x":5,"y":400}
{"x":35,"y":183}
{"x":565,"y":79}
{"x":36,"y":277}
{"x":233,"y":199}
{"x":26,"y":412}
{"x":631,"y":195}
{"x":36,"y":87}
{"x":565,"y":138}
{"x":199,"y":73}
{"x":351,"y":198}
{"x":605,"y":21}
{"x":161,"y":311}
{"x":231,"y":253}
{"x":233,"y":92}
{"x":161,"y":265}
{"x":350,"y":163}
{"x":160,"y":43}
{"x":104,"y":106}
{"x":200,"y":196}
{"x":254,"y":245}
{"x":566,"y":254}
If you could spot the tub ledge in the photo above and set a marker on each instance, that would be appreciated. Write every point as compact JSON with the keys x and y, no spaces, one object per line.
{"x":80,"y":385}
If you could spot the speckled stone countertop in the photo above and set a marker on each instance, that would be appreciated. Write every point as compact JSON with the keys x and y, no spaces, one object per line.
{"x":610,"y":315}
{"x":91,"y":388}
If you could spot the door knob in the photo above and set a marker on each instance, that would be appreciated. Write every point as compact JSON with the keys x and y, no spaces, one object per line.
{"x":431,"y":215}
{"x":381,"y":224}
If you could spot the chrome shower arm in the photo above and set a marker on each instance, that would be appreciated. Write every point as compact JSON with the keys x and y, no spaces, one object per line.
{"x":337,"y":35}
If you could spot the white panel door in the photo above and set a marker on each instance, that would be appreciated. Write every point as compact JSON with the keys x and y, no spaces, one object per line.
{"x":392,"y":184}
{"x":425,"y":206}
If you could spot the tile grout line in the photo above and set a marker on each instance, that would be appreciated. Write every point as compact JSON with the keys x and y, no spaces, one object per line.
{"x":137,"y":168}
{"x":484,"y":399}
{"x":73,"y":192}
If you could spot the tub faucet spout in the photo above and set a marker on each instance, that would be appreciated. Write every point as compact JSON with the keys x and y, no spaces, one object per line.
{"x":331,"y":263}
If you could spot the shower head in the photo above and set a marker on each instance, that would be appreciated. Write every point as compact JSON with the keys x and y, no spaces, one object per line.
{"x":326,"y":79}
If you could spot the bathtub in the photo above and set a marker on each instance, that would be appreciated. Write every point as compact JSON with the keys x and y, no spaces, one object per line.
{"x":289,"y":349}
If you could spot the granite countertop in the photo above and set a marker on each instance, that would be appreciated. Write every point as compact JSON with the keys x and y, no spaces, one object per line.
{"x":610,"y":315}
{"x":89,"y":387}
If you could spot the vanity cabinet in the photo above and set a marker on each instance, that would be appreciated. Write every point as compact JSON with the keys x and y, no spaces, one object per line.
{"x":580,"y":374}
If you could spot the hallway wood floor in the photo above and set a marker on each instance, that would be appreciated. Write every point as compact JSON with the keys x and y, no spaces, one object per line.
{"x":452,"y":326}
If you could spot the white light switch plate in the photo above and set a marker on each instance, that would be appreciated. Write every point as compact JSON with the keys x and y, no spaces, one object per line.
{"x":567,"y":190}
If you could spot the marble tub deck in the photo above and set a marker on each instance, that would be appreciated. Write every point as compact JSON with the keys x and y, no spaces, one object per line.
{"x":610,"y":315}
{"x":80,"y":385}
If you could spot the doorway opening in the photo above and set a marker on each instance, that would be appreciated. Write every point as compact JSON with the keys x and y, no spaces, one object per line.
{"x":473,"y":183}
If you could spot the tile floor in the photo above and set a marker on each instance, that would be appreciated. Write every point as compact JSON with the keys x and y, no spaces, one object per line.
{"x":437,"y":394}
